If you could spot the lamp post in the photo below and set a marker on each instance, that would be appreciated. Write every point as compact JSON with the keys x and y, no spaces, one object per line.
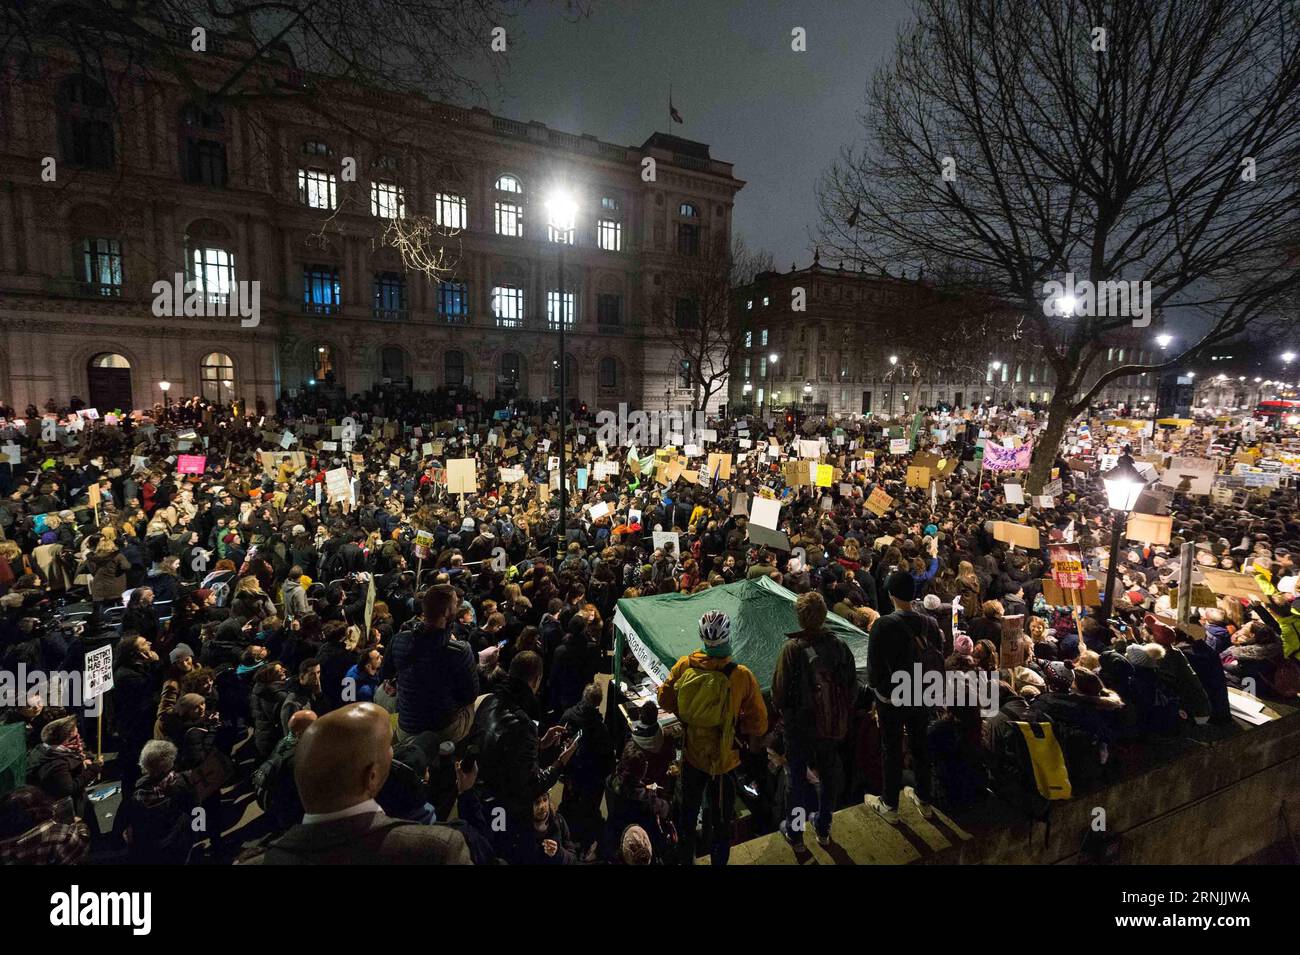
{"x":893,"y":365}
{"x":166,"y":386}
{"x":562,"y":213}
{"x":772,"y":359}
{"x":1124,"y":484}
{"x":1163,"y":341}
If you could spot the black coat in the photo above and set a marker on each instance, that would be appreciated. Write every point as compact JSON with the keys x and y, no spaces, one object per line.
{"x":509,"y":748}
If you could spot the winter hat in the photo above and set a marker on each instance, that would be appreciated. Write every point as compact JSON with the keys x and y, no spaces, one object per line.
{"x":715,"y":632}
{"x":635,"y":847}
{"x":932,"y":602}
{"x":180,"y":652}
{"x":299,"y":529}
{"x":963,"y":645}
{"x":1144,"y":655}
{"x":467,"y":525}
{"x":1159,"y":628}
{"x":1059,"y":676}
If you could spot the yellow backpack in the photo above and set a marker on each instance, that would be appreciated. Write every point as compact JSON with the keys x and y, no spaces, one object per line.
{"x":1047,"y":759}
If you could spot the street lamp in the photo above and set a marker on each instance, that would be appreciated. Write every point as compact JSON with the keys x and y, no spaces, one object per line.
{"x":166,"y":386}
{"x":893,"y":363}
{"x":562,"y":214}
{"x":1124,"y":484}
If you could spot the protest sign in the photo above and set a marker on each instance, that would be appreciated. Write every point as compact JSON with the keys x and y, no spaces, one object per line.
{"x":461,"y":476}
{"x":765,"y":513}
{"x":191,"y":463}
{"x":879,"y":502}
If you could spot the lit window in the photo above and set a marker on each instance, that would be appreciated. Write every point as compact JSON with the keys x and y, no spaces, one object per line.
{"x":553,"y":309}
{"x":508,"y":306}
{"x":749,"y":304}
{"x":313,"y":147}
{"x":453,"y":301}
{"x":509,"y":184}
{"x":510,"y":219}
{"x":766,"y":300}
{"x":567,"y":236}
{"x":749,"y":338}
{"x":390,"y":295}
{"x":317,"y":189}
{"x":450,"y":211}
{"x":609,"y":235}
{"x":102,"y":266}
{"x":762,"y":338}
{"x":213,"y":273}
{"x":684,"y":373}
{"x":217,"y":377}
{"x":688,"y":210}
{"x":609,"y":202}
{"x":387,"y":201}
{"x":320,"y":290}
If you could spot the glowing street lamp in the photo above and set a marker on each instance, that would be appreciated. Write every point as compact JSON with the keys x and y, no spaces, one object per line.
{"x":166,"y":386}
{"x":562,"y":217}
{"x":1124,"y":485}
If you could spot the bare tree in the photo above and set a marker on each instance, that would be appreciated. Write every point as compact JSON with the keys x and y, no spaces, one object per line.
{"x":695,"y":309}
{"x":1113,"y":142}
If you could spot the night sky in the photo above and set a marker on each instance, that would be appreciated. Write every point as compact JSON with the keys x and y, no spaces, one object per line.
{"x":780,"y":116}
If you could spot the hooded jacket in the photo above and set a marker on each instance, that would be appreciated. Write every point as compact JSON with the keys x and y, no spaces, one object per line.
{"x":747,"y":707}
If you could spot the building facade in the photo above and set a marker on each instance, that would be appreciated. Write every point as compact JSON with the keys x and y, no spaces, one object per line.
{"x":834,"y":356}
{"x":389,"y":239}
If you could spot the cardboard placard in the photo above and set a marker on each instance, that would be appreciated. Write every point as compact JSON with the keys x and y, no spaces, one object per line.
{"x":879,"y":502}
{"x":1018,"y":534}
{"x":462,"y":477}
{"x":1226,"y":583}
{"x":918,"y":477}
{"x":1149,"y":528}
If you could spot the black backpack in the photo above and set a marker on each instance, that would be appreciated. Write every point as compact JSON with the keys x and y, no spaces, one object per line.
{"x":927,"y":653}
{"x":829,"y":700}
{"x":1010,"y":767}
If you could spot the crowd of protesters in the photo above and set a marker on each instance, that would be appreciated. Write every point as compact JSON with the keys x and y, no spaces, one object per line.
{"x":387,"y":700}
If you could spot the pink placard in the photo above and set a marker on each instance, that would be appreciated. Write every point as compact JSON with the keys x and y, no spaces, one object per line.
{"x":191,"y":463}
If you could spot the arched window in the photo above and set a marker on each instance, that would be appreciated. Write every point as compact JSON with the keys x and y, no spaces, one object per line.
{"x":217,"y":377}
{"x":509,"y":183}
{"x":325,"y":364}
{"x":203,"y":146}
{"x":109,"y":360}
{"x":210,"y":259}
{"x":570,"y":374}
{"x":86,"y":136}
{"x":607,"y":374}
{"x":453,"y":369}
{"x":510,"y":365}
{"x":688,"y":210}
{"x":392,"y":363}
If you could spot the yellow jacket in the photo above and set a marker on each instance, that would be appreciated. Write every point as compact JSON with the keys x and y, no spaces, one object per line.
{"x":746,"y":699}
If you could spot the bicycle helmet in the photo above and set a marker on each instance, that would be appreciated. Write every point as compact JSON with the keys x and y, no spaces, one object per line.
{"x":715,"y":632}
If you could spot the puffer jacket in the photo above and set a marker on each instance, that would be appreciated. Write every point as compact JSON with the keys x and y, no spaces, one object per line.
{"x":746,"y":702}
{"x":436,"y":678}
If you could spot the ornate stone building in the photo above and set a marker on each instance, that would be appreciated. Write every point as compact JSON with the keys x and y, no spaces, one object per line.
{"x":834,"y":356}
{"x":102,"y":196}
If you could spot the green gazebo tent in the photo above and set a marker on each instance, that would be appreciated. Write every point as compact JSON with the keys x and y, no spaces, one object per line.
{"x":663,"y":628}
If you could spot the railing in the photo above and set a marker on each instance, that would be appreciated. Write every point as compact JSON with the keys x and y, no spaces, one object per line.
{"x":391,"y":314}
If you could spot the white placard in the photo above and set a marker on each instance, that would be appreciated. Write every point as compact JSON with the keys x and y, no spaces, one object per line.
{"x":765,"y":512}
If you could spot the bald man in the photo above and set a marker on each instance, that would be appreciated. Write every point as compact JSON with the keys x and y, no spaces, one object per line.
{"x":340,"y":765}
